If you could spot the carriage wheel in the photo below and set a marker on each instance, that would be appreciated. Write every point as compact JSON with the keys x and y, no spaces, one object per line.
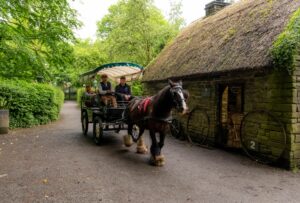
{"x":176,"y":128}
{"x":135,"y":133}
{"x":97,"y":130}
{"x":198,"y":126}
{"x":263,"y":136}
{"x":84,"y":123}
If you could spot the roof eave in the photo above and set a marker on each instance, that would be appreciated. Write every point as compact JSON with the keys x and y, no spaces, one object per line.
{"x":210,"y":75}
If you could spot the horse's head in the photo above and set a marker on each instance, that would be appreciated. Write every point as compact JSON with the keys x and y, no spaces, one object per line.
{"x":179,"y":96}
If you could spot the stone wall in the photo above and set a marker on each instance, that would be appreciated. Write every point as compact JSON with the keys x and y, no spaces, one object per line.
{"x":276,"y":93}
{"x":294,"y":128}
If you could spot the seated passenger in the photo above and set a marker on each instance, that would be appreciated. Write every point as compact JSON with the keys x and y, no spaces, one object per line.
{"x":105,"y":90}
{"x":89,"y":96}
{"x":89,"y":92}
{"x":123,"y":90}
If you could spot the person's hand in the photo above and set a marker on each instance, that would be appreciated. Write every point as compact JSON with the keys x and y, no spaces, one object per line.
{"x":127,"y":97}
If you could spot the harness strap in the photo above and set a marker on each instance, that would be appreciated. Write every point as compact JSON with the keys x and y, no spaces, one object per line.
{"x":145,"y":103}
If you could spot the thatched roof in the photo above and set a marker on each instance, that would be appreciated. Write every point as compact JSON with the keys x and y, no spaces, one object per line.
{"x":237,"y":38}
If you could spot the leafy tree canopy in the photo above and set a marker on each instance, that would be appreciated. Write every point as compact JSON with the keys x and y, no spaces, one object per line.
{"x":135,"y":30}
{"x":35,"y":37}
{"x":88,"y":55}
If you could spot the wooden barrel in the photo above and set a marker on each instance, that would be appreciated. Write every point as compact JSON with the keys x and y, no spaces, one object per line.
{"x":4,"y":121}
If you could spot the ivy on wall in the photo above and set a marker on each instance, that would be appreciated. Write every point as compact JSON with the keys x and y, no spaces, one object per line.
{"x":285,"y":47}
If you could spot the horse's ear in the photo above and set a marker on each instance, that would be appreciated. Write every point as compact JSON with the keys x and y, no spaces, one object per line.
{"x":171,"y":83}
{"x":180,"y":82}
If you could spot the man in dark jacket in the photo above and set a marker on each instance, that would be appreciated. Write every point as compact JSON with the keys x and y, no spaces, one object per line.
{"x":105,"y":90}
{"x":123,"y":90}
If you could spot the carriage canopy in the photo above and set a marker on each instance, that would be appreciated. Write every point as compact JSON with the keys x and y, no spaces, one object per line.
{"x":115,"y":71}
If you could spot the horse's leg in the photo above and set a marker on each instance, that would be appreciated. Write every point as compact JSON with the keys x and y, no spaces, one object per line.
{"x":162,"y":136}
{"x":141,"y":146}
{"x":127,"y":138}
{"x":155,"y":150}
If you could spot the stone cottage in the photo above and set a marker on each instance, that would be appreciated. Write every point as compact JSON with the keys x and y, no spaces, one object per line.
{"x":242,"y":69}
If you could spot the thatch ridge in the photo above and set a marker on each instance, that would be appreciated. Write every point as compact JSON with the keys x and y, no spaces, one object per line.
{"x":236,"y":38}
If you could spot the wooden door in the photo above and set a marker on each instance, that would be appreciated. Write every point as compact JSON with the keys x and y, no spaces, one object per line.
{"x":231,"y":114}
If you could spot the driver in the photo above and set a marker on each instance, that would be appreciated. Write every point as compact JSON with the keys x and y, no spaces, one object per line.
{"x":106,"y":92}
{"x":123,"y":90}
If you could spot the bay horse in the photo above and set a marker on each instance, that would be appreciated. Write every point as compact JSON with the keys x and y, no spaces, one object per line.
{"x":154,"y":113}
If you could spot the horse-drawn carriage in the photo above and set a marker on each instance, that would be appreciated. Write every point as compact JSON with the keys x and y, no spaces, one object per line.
{"x":94,"y":111}
{"x":137,"y":115}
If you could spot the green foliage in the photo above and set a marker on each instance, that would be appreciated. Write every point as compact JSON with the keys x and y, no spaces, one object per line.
{"x":35,"y":37}
{"x":80,"y":92}
{"x":88,"y":55}
{"x":285,"y":47}
{"x":136,"y":31}
{"x":137,"y":88}
{"x":31,"y":103}
{"x":4,"y":103}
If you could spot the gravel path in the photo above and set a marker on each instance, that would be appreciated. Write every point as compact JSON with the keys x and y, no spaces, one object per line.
{"x":55,"y":163}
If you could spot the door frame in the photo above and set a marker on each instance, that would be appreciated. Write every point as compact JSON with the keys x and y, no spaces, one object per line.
{"x":220,"y":87}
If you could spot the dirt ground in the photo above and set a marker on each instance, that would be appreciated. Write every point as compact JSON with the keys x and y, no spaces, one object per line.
{"x":55,"y":163}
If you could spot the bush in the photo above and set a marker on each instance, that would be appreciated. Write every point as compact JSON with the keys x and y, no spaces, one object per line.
{"x":137,"y":88}
{"x":31,"y":103}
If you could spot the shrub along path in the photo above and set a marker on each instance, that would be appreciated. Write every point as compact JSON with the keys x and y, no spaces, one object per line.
{"x":55,"y":163}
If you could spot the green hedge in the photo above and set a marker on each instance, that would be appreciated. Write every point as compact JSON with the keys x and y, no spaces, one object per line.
{"x":31,"y":103}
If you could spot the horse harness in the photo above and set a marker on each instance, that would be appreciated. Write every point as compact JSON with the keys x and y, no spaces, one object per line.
{"x":143,"y":105}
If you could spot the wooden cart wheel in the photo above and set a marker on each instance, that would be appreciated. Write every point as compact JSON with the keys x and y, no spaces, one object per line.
{"x":97,"y":130}
{"x":135,"y":133}
{"x":176,"y":128}
{"x":263,"y":136}
{"x":84,"y":122}
{"x":198,"y":126}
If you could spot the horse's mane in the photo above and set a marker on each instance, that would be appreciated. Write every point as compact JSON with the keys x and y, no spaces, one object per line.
{"x":162,"y":103}
{"x":162,"y":92}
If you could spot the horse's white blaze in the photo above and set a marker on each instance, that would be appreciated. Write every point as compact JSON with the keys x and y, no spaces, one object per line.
{"x":184,"y":106}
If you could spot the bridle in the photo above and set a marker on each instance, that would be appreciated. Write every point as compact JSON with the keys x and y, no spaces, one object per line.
{"x":173,"y":91}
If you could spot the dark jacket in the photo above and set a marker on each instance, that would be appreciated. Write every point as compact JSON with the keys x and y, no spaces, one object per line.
{"x":103,"y":88}
{"x":125,"y":89}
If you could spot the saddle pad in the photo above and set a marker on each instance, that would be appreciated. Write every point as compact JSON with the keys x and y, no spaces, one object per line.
{"x":142,"y":105}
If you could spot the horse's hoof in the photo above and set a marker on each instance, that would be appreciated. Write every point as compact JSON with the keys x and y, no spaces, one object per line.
{"x":158,"y":160}
{"x":142,"y":149}
{"x":127,"y":140}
